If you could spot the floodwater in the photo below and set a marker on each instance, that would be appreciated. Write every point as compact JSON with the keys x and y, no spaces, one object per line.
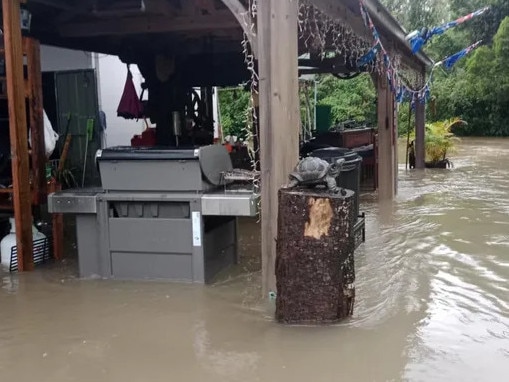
{"x":432,"y":303}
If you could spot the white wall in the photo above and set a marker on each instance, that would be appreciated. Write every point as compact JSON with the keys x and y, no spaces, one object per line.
{"x":111,"y":74}
{"x":55,"y":59}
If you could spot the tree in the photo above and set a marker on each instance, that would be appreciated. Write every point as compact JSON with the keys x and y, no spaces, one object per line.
{"x":477,"y":88}
{"x":478,"y":92}
{"x":233,"y":109}
{"x":414,"y":14}
{"x":485,"y":27}
{"x":350,"y":99}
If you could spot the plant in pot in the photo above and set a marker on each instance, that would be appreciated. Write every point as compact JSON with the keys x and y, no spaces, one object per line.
{"x":439,"y":142}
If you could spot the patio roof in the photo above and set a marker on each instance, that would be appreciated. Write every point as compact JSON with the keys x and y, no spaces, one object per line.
{"x":194,"y":29}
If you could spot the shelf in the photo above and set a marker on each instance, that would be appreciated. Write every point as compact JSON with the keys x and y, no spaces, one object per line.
{"x":10,"y":190}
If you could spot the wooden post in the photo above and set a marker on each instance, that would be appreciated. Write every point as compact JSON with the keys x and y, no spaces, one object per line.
{"x":420,"y":121}
{"x":315,"y":256}
{"x":279,"y":116}
{"x":32,"y":48}
{"x":242,"y":16}
{"x":386,"y":141}
{"x":395,"y":121}
{"x":18,"y":132}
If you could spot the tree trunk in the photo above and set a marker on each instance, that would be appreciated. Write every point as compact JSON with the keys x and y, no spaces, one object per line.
{"x":314,"y":263}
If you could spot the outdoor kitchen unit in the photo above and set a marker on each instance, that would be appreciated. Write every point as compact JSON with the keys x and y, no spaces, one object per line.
{"x":162,"y":213}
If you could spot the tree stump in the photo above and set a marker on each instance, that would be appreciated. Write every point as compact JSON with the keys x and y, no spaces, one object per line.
{"x":314,"y":262}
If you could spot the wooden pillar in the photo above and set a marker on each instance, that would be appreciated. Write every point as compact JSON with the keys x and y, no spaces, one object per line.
{"x":279,"y":116}
{"x":32,"y":48}
{"x":242,"y":16}
{"x":18,"y":132}
{"x":420,"y":121}
{"x":395,"y":124}
{"x":387,"y":172}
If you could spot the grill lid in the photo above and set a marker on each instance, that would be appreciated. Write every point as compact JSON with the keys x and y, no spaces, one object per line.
{"x":214,"y":162}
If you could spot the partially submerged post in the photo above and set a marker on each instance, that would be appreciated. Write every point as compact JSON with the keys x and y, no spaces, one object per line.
{"x":420,"y":129}
{"x":279,"y":115}
{"x":314,"y":264}
{"x":18,"y":132}
{"x":387,"y":134}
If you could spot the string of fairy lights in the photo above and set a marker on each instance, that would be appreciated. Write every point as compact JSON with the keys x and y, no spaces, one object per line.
{"x":327,"y":37}
{"x":251,"y":129}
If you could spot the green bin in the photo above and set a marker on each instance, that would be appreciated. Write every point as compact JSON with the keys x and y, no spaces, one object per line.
{"x":323,"y":118}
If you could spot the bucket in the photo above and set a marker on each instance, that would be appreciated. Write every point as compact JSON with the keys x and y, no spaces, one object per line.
{"x":40,"y":249}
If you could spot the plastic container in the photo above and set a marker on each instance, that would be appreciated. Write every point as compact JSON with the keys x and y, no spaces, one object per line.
{"x":350,"y":177}
{"x":365,"y":151}
{"x":6,"y":245}
{"x":41,"y":245}
{"x":40,"y":250}
{"x":323,"y":118}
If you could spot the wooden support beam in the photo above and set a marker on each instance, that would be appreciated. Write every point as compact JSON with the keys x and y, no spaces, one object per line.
{"x":160,"y":6}
{"x":420,"y":122}
{"x":155,"y":7}
{"x":386,"y":141}
{"x":338,"y":10}
{"x":57,"y":4}
{"x":32,"y":49}
{"x":387,"y":24}
{"x":327,"y":65}
{"x":307,"y":71}
{"x":149,"y":24}
{"x":18,"y":132}
{"x":395,"y":123}
{"x":84,"y":6}
{"x":279,"y":116}
{"x":242,"y":16}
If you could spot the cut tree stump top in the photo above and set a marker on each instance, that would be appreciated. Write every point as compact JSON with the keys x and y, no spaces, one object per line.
{"x":317,"y":192}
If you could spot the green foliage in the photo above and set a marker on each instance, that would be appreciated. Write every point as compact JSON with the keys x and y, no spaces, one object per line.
{"x":478,"y":92}
{"x":65,"y":177}
{"x":485,"y":27}
{"x":403,"y":124}
{"x":439,"y":139}
{"x":476,"y":89}
{"x":350,"y":99}
{"x":414,"y":14}
{"x":501,"y":41}
{"x":233,"y":109}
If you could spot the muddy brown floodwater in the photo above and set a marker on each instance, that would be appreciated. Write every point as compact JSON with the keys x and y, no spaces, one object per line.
{"x":432,"y":303}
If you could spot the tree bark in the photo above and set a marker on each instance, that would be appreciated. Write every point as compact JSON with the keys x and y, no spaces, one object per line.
{"x":314,"y":263}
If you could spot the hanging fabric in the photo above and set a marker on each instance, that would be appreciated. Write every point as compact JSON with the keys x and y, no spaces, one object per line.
{"x":451,"y":60}
{"x":418,"y":38}
{"x":130,"y":106}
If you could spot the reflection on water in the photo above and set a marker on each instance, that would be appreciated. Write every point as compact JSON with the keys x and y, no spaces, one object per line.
{"x":433,"y":304}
